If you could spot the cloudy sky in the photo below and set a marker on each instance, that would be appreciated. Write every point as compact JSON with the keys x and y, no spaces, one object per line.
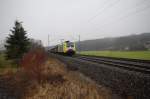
{"x":67,"y":19}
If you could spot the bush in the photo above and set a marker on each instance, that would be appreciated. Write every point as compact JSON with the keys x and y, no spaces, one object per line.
{"x":33,"y":63}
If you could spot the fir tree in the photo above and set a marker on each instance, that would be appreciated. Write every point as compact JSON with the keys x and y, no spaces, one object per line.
{"x":17,"y":43}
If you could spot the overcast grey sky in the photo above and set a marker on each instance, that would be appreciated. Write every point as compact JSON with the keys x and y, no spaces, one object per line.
{"x":66,"y":19}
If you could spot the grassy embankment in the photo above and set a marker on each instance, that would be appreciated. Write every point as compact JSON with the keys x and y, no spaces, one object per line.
{"x":44,"y":77}
{"x":68,"y":85}
{"x":144,"y":55}
{"x":5,"y":65}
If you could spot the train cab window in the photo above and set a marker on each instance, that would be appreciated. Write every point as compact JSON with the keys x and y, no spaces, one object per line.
{"x":70,"y":44}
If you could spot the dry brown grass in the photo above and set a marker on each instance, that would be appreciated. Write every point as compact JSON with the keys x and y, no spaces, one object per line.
{"x":63,"y":84}
{"x":7,"y":71}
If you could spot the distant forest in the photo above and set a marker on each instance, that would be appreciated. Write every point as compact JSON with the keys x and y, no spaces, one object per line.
{"x":131,"y":42}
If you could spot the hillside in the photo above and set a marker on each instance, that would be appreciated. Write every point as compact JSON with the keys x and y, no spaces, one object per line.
{"x":131,"y":42}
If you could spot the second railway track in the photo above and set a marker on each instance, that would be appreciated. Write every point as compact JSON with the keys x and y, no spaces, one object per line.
{"x":138,"y":66}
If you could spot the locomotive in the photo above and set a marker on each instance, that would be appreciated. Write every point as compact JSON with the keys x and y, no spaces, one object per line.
{"x":66,"y":48}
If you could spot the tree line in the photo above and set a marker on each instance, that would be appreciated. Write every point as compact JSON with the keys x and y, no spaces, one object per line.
{"x":130,"y":43}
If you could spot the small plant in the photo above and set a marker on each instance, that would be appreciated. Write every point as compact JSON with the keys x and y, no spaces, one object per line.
{"x":33,"y":63}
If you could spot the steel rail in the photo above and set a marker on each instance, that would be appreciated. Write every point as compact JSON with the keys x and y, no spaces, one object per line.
{"x":129,"y":65}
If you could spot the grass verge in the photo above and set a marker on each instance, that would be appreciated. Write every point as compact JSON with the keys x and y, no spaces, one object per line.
{"x":144,"y":55}
{"x":64,"y":84}
{"x":6,"y":65}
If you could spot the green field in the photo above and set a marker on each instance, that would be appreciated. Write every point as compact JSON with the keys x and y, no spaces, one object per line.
{"x":3,"y":61}
{"x":6,"y":66}
{"x":6,"y":63}
{"x":145,"y":55}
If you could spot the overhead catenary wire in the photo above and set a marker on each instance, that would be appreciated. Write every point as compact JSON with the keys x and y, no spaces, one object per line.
{"x":135,"y":12}
{"x":129,"y":12}
{"x":112,"y":4}
{"x":139,"y":3}
{"x":136,"y":9}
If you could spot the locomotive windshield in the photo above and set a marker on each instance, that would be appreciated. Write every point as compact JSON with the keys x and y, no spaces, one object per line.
{"x":70,"y":44}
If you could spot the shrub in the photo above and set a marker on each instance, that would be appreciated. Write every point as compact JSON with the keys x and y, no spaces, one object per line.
{"x":33,"y":63}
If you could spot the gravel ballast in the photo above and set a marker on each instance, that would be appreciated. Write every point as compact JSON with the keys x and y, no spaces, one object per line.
{"x":126,"y":83}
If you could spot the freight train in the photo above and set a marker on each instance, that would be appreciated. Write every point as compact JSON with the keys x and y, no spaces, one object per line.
{"x":66,"y":48}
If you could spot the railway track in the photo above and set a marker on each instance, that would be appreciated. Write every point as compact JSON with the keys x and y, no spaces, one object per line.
{"x":131,"y":65}
{"x":123,"y":76}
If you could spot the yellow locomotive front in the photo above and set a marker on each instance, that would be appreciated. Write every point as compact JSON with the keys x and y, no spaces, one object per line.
{"x":69,"y":48}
